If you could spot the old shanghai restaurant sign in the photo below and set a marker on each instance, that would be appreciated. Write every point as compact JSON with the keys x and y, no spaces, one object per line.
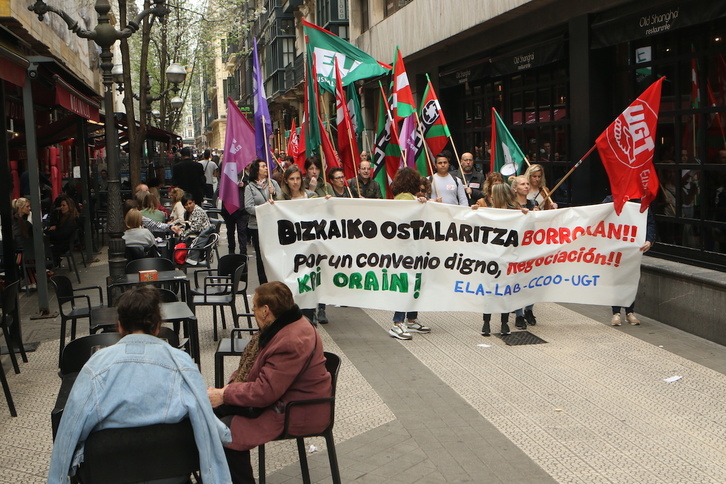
{"x":406,"y":255}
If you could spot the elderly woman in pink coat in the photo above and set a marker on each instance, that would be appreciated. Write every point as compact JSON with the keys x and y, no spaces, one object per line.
{"x":282,"y":362}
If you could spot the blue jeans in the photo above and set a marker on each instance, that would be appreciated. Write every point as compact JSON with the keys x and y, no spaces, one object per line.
{"x":399,"y":316}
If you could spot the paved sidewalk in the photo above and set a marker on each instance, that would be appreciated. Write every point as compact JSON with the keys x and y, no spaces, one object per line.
{"x":589,"y":406}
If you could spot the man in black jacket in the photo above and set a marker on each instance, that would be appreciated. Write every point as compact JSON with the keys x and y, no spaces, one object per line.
{"x":473,"y":179}
{"x":189,"y":176}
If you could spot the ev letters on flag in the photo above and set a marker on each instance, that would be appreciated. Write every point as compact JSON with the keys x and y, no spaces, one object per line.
{"x":409,"y":256}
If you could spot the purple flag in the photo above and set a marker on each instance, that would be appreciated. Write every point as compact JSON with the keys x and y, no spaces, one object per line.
{"x":263,"y":126}
{"x":410,"y":140}
{"x":239,"y":151}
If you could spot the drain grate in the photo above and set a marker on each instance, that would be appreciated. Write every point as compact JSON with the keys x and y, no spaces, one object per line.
{"x":519,"y":338}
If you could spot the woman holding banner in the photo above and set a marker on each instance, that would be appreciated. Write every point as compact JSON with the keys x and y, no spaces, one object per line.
{"x":260,"y":190}
{"x":502,"y":197}
{"x":313,"y":181}
{"x":538,"y":190}
{"x":405,"y":184}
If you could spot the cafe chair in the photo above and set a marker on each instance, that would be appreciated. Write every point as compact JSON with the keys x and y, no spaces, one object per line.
{"x":77,"y":352}
{"x":219,"y":287}
{"x":3,"y":378}
{"x":332,"y":364}
{"x":148,"y":264}
{"x":164,"y":453}
{"x":11,"y":324}
{"x":71,"y":310}
{"x":232,"y":346}
{"x":204,"y":255}
{"x":70,"y":258}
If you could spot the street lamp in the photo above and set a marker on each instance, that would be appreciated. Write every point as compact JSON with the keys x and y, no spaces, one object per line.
{"x":105,"y":35}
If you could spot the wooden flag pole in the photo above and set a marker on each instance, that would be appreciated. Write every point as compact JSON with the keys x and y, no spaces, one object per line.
{"x":425,"y":147}
{"x":267,"y":156}
{"x":548,"y":197}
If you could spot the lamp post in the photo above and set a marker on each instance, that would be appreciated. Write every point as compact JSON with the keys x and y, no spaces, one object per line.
{"x":175,"y":75}
{"x":105,"y":35}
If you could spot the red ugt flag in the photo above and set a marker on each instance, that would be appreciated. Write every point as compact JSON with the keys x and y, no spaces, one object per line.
{"x":626,"y":149}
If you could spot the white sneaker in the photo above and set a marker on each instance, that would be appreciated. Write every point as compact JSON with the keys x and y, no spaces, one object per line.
{"x":192,"y":262}
{"x":616,"y":320}
{"x":398,"y":331}
{"x":632,"y":319}
{"x":416,"y":327}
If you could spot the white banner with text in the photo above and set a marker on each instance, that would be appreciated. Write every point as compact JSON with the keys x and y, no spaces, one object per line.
{"x":411,"y":256}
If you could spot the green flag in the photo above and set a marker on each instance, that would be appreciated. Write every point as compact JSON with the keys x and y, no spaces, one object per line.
{"x":354,"y":64}
{"x":507,"y":158}
{"x":356,"y":117}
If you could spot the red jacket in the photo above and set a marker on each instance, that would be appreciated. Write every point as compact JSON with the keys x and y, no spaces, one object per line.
{"x":274,"y":379}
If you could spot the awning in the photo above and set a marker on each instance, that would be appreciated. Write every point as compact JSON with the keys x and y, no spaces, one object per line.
{"x":13,"y":68}
{"x":74,"y":101}
{"x":152,"y":133}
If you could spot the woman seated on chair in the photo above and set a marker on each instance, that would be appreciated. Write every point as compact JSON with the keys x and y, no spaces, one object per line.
{"x":61,"y":227}
{"x":283,"y":362}
{"x":196,"y":219}
{"x":150,"y":207}
{"x":139,"y":381}
{"x":136,"y":235}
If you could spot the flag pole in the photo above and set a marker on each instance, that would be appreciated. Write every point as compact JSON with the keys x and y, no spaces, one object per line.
{"x":267,"y":155}
{"x":353,"y":154}
{"x":425,"y":146}
{"x":589,"y":152}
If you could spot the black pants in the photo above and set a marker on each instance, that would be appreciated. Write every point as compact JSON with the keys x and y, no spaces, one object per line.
{"x":255,"y":236}
{"x":240,"y":466}
{"x":237,"y":222}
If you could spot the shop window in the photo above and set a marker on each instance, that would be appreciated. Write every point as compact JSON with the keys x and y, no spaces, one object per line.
{"x":690,"y":142}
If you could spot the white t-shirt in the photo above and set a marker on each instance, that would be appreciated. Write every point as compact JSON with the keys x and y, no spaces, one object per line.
{"x":451,"y":191}
{"x":209,"y":168}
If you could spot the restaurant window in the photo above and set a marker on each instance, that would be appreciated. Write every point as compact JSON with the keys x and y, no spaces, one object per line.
{"x":532,"y":104}
{"x":690,"y":155}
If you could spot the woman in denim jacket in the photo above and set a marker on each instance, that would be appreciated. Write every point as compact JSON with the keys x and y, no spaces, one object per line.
{"x":139,"y":381}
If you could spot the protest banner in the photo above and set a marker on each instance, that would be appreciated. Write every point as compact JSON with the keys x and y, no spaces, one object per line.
{"x":409,"y":256}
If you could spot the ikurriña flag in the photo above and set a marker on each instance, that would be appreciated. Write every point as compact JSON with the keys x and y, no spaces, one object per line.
{"x":626,"y":149}
{"x":239,"y":151}
{"x":403,"y":105}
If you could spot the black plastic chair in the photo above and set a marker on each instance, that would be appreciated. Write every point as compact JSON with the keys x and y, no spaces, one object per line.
{"x":156,"y":453}
{"x":70,"y":258}
{"x":71,"y":311}
{"x":232,"y":346}
{"x":204,"y":254}
{"x":148,"y":264}
{"x":10,"y":323}
{"x":332,"y":364}
{"x":221,"y":286}
{"x":3,"y":379}
{"x":77,"y":352}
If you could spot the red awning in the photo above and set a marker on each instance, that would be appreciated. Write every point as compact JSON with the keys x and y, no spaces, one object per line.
{"x":74,"y":101}
{"x":11,"y":72}
{"x":13,"y":68}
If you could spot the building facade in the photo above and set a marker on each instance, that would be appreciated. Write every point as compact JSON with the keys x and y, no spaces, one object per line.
{"x":559,"y":72}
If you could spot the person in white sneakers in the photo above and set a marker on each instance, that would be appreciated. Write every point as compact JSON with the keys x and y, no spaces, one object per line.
{"x":630,"y":316}
{"x":405,"y":184}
